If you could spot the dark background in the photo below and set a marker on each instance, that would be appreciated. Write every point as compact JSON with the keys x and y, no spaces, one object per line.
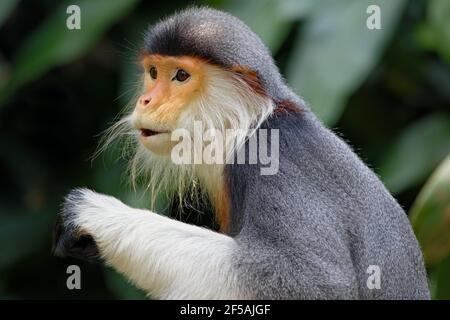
{"x":386,"y":92}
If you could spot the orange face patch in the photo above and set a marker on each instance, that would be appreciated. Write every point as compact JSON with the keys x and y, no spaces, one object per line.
{"x":170,"y":83}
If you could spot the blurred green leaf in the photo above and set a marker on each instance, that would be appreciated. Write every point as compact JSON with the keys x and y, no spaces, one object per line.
{"x":53,"y":44}
{"x":430,"y":215}
{"x":440,"y":278}
{"x":297,"y":9}
{"x":6,"y":6}
{"x":439,"y":25}
{"x":416,"y":152}
{"x":263,"y":18}
{"x":336,"y":51}
{"x":121,"y":287}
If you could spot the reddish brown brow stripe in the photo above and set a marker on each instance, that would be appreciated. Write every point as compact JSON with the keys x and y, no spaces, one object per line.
{"x":287,"y":106}
{"x":251,"y":78}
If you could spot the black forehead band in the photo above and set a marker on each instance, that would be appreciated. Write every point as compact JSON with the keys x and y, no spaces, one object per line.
{"x":174,"y":38}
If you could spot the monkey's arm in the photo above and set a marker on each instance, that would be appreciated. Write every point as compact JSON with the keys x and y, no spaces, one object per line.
{"x":166,"y":258}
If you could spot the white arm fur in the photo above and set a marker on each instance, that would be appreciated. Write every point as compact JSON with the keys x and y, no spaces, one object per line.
{"x":166,"y":258}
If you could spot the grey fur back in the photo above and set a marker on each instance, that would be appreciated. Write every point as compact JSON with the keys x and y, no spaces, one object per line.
{"x":312,"y":230}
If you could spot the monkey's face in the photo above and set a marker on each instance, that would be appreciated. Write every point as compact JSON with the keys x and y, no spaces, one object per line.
{"x":171,"y":84}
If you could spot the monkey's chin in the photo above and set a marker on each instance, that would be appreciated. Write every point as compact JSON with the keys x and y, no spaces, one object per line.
{"x":159,"y":144}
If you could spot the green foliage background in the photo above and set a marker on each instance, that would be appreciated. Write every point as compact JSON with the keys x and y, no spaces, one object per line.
{"x":385,"y":91}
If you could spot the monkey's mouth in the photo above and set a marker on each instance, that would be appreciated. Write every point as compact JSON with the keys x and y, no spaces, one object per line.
{"x":158,"y":142}
{"x":149,"y":133}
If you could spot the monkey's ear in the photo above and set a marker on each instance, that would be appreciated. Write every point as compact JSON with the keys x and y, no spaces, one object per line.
{"x":251,"y":78}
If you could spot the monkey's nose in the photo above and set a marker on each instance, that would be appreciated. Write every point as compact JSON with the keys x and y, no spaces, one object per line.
{"x":144,"y":101}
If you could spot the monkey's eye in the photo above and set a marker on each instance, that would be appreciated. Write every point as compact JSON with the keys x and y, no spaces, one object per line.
{"x":181,"y":75}
{"x":153,"y":73}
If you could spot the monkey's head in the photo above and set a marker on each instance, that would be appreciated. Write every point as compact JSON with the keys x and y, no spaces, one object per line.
{"x":200,"y":65}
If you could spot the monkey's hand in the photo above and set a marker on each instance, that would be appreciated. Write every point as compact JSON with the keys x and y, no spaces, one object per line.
{"x":70,"y":238}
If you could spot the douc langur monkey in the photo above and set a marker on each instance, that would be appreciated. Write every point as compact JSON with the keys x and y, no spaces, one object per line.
{"x":315,"y":229}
